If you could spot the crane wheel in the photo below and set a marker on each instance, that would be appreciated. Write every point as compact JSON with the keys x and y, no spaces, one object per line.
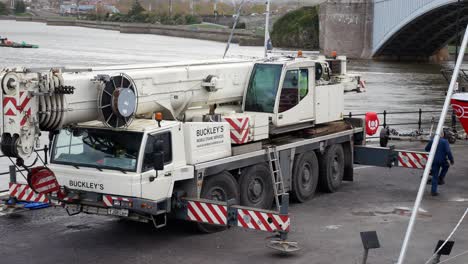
{"x":331,"y":164}
{"x":256,"y":187}
{"x":305,"y":176}
{"x":219,"y":187}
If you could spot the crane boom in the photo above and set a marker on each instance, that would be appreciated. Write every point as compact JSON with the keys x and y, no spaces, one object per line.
{"x":285,"y":94}
{"x":35,"y":101}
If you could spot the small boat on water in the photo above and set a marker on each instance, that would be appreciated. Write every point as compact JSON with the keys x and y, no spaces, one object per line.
{"x":4,"y":42}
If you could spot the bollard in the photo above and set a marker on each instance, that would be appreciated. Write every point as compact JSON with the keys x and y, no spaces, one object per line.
{"x":385,"y":118}
{"x":46,"y":150}
{"x":12,"y":174}
{"x":12,"y":200}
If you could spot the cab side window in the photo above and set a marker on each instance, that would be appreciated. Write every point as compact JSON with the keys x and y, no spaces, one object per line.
{"x":149,"y":149}
{"x":295,"y":88}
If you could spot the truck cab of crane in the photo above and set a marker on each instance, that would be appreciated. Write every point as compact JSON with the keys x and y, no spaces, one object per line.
{"x":140,"y":161}
{"x":294,"y":91}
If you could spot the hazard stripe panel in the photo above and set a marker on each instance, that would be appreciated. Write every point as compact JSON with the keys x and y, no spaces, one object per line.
{"x":23,"y":192}
{"x":11,"y":108}
{"x":415,"y":160}
{"x":262,"y":221}
{"x":207,"y":213}
{"x":108,"y":200}
{"x":239,"y":129}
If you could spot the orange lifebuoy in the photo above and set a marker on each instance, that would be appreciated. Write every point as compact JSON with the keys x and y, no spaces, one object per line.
{"x":372,"y":123}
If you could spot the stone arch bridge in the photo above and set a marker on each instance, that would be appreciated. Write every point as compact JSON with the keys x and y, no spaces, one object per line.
{"x":391,"y":28}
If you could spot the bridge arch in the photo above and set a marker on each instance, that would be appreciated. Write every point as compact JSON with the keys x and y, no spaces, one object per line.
{"x":416,"y":28}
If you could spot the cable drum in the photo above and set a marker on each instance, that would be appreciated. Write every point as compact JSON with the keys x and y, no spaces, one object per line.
{"x":117,"y":101}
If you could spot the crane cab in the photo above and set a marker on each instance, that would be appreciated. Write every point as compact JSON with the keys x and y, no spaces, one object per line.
{"x":294,"y":92}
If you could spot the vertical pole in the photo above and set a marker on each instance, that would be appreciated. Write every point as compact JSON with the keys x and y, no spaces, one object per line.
{"x":267,"y":25}
{"x":233,"y":28}
{"x":420,"y":119}
{"x":385,"y":118}
{"x":457,"y":44}
{"x":284,"y":211}
{"x":170,"y":7}
{"x":215,"y":9}
{"x":191,"y":7}
{"x":12,"y":174}
{"x":12,"y":168}
{"x":46,"y":152}
{"x":435,"y":143}
{"x":364,"y":256}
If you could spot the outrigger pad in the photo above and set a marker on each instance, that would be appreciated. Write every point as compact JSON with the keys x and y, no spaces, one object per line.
{"x":283,"y":246}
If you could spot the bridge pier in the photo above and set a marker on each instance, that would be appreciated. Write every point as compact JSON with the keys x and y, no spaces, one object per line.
{"x":346,"y":27}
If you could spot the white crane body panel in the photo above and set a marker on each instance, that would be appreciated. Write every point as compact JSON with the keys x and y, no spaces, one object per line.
{"x":149,"y":133}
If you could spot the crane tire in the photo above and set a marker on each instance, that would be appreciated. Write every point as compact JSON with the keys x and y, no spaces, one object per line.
{"x":256,"y":186}
{"x":331,"y":164}
{"x":219,"y":187}
{"x":305,"y":176}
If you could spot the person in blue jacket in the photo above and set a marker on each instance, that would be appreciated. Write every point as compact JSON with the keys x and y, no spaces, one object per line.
{"x":440,"y":164}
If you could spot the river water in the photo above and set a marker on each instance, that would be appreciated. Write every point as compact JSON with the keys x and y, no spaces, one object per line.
{"x":391,"y":86}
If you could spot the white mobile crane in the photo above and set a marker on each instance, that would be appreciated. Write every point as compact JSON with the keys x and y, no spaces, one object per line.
{"x":214,"y":142}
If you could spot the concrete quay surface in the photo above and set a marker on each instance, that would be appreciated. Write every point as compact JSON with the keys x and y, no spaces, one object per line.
{"x":327,"y":227}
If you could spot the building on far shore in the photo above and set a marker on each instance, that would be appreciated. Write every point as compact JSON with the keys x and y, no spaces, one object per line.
{"x":73,"y":9}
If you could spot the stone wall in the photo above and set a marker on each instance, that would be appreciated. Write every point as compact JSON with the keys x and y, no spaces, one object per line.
{"x":346,"y":27}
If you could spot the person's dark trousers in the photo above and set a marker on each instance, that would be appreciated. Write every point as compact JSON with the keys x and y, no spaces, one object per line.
{"x":445,"y":166}
{"x":439,"y":170}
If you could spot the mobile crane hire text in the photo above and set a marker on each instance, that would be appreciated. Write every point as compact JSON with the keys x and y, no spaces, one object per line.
{"x":210,"y":136}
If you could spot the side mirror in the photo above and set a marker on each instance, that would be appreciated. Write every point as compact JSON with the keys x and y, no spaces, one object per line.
{"x":158,"y":161}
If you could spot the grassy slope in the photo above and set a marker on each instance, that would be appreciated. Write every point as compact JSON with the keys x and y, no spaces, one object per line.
{"x":297,"y":29}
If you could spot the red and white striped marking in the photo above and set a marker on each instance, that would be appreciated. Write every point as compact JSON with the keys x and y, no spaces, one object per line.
{"x":262,"y":221}
{"x":207,"y":213}
{"x":239,"y":129}
{"x":109,"y":199}
{"x":11,"y":108}
{"x":415,"y":160}
{"x":460,"y":111}
{"x":23,"y":192}
{"x":24,"y":107}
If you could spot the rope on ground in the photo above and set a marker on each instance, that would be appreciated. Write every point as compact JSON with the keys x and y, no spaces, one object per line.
{"x":456,"y":256}
{"x":448,"y":238}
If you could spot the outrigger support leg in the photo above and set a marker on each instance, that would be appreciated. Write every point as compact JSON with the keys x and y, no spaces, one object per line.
{"x":231,"y":215}
{"x":279,"y":241}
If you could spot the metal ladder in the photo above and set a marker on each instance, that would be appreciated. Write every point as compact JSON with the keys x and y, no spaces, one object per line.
{"x":276,"y":175}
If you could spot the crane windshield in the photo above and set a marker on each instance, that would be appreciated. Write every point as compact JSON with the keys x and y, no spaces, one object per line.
{"x":97,"y":148}
{"x":263,"y":87}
